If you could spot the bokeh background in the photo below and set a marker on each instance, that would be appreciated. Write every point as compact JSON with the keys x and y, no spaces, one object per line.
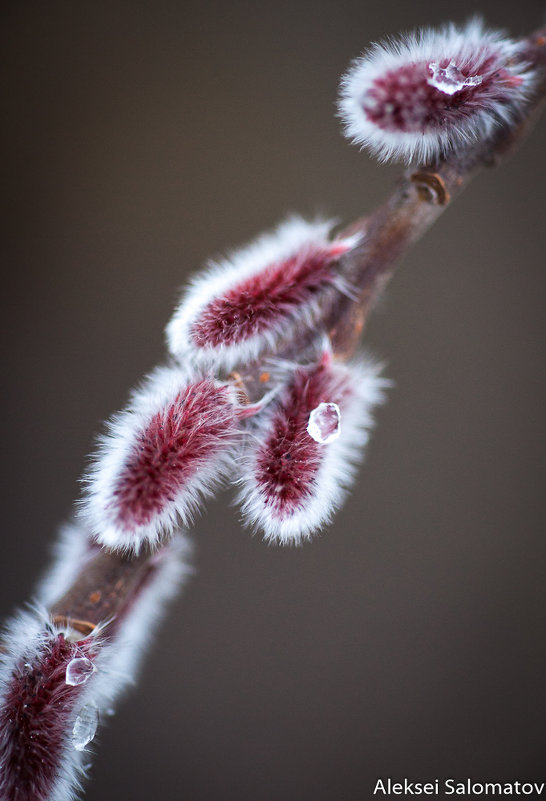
{"x":140,"y":138}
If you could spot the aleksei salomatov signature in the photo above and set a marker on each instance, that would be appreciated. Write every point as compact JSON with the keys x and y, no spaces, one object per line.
{"x":456,"y":787}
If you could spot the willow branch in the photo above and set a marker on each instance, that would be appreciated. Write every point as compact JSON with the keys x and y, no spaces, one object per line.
{"x":104,"y":587}
{"x":421,"y":196}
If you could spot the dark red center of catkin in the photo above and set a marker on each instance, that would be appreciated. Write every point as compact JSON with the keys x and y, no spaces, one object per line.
{"x":402,"y":100}
{"x":288,"y":462}
{"x":34,"y":721}
{"x":170,"y":451}
{"x":264,"y":300}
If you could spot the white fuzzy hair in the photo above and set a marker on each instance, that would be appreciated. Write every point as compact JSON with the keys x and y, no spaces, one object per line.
{"x":118,"y":658}
{"x":336,"y":471}
{"x":98,"y":508}
{"x":73,"y":549}
{"x":450,"y":41}
{"x":283,"y":242}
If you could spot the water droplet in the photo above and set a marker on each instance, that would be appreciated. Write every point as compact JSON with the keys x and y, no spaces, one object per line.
{"x":85,"y":726}
{"x":325,"y":423}
{"x":79,"y":670}
{"x":450,"y":79}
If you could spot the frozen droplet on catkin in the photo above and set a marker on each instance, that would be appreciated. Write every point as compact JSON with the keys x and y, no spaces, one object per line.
{"x":85,"y":726}
{"x":450,"y":79}
{"x":434,"y":92}
{"x":79,"y":670}
{"x":325,"y":423}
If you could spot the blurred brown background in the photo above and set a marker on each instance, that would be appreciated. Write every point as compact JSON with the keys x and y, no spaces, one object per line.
{"x":408,"y":640}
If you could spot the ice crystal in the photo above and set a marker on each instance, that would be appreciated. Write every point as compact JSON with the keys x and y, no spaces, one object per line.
{"x":79,"y":670}
{"x":85,"y":726}
{"x":325,"y":423}
{"x":450,"y":79}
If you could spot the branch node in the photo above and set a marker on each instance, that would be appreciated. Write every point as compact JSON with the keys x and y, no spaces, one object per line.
{"x":431,"y":187}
